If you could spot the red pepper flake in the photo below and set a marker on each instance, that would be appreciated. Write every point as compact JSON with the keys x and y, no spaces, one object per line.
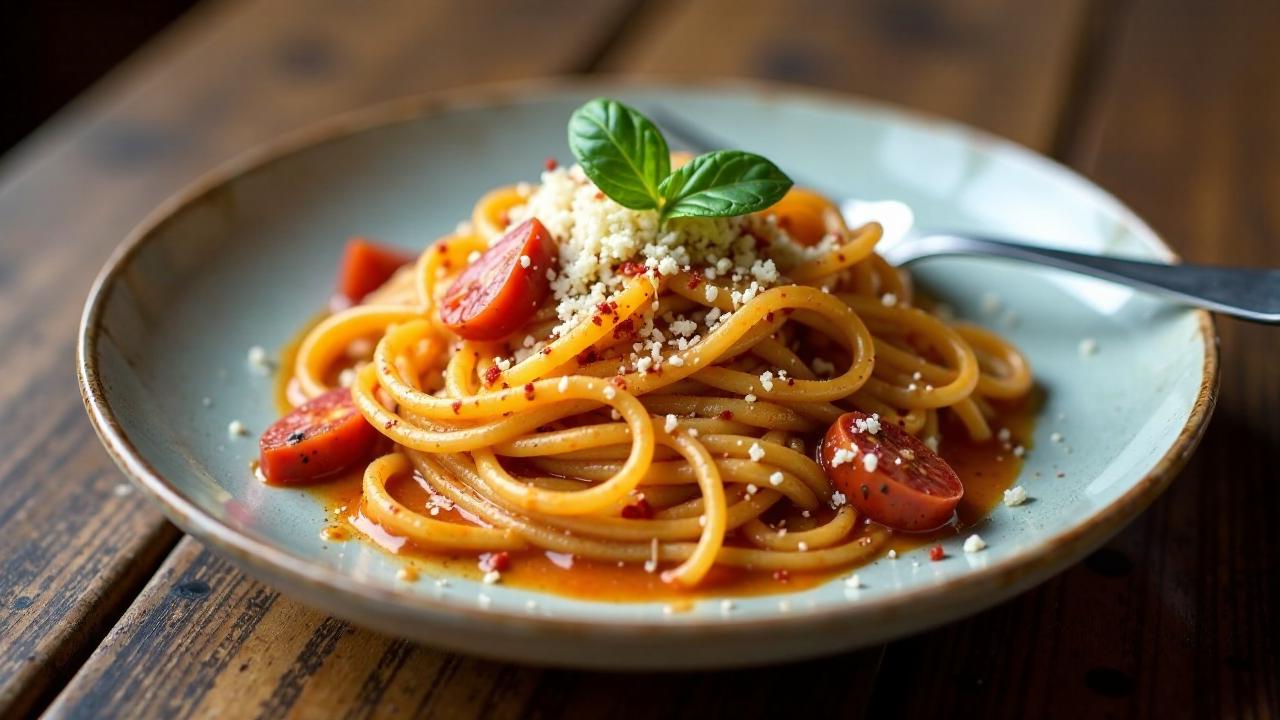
{"x":588,"y":356}
{"x":619,"y":382}
{"x":791,"y":381}
{"x":491,"y":375}
{"x":457,"y":406}
{"x":550,"y":164}
{"x":596,"y":319}
{"x":390,"y":424}
{"x":528,"y":391}
{"x":499,"y":561}
{"x":781,"y":576}
{"x":768,"y":316}
{"x":624,"y":328}
{"x":638,"y":510}
{"x":726,"y":414}
{"x":631,"y":267}
{"x":604,"y":308}
{"x":504,"y":219}
{"x":546,"y":350}
{"x":936,"y":553}
{"x":599,"y":195}
{"x":695,"y":279}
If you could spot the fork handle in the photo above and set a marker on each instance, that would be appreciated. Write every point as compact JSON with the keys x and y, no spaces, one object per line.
{"x":1247,"y":293}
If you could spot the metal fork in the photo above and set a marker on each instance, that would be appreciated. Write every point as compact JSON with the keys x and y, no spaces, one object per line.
{"x":1247,"y":293}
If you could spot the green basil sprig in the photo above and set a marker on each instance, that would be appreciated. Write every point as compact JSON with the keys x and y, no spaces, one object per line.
{"x":625,"y":155}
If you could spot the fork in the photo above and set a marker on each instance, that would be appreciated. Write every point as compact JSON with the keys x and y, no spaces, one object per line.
{"x":1247,"y":293}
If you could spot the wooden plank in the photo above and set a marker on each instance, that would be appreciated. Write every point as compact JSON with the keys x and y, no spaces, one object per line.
{"x":75,"y":546}
{"x":1004,"y":66}
{"x":1177,"y":617}
{"x":242,"y":650}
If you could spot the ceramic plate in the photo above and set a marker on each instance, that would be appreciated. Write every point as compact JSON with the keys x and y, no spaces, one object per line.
{"x":247,"y":256}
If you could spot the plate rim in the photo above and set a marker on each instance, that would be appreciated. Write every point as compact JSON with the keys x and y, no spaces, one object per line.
{"x":269,"y":562}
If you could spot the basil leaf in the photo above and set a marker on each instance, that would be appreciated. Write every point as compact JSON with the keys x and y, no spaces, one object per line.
{"x":723,"y":184}
{"x":622,"y":152}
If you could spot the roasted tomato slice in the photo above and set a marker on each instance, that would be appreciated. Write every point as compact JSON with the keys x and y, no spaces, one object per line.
{"x":500,"y":292}
{"x":320,"y":438}
{"x":803,"y":214}
{"x":366,"y":266}
{"x":907,"y":487}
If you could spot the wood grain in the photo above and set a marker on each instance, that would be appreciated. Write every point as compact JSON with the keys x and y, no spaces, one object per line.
{"x":75,"y":546}
{"x":240,"y":649}
{"x":1177,"y":617}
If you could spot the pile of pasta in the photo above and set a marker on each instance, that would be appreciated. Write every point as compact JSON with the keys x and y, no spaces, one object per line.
{"x":550,"y":452}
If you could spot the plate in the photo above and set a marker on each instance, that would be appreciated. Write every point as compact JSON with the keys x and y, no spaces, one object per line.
{"x":246,"y":256}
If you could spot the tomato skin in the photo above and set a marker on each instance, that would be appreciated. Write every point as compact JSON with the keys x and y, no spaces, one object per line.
{"x":366,"y":266}
{"x":917,"y":495}
{"x":321,"y":438}
{"x":498,"y":294}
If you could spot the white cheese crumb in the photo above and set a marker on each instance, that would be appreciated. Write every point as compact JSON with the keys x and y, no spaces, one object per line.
{"x":838,"y":500}
{"x":675,"y":361}
{"x":609,"y":392}
{"x":755,"y":452}
{"x":869,"y":462}
{"x":1015,"y":496}
{"x":1019,"y":451}
{"x":258,"y":360}
{"x":974,"y":544}
{"x":853,"y":582}
{"x":492,"y":577}
{"x":776,"y":478}
{"x":671,"y":423}
{"x":1055,"y":437}
{"x":842,"y":456}
{"x":726,"y":606}
{"x":524,"y":261}
{"x":749,"y":397}
{"x":870,"y":425}
{"x":893,"y":555}
{"x":236,"y":429}
{"x":766,"y":380}
{"x":889,"y":300}
{"x":1003,"y":435}
{"x":752,"y":489}
{"x":1088,"y":346}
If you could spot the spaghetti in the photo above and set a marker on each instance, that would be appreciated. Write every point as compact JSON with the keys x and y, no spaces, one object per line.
{"x":664,"y":405}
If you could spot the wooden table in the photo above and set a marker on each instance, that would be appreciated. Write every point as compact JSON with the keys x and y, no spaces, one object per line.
{"x":1174,"y":105}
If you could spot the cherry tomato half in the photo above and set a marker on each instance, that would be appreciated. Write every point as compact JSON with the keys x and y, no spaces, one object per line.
{"x":498,"y":294}
{"x":907,"y":487}
{"x":321,"y":438}
{"x":366,"y":266}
